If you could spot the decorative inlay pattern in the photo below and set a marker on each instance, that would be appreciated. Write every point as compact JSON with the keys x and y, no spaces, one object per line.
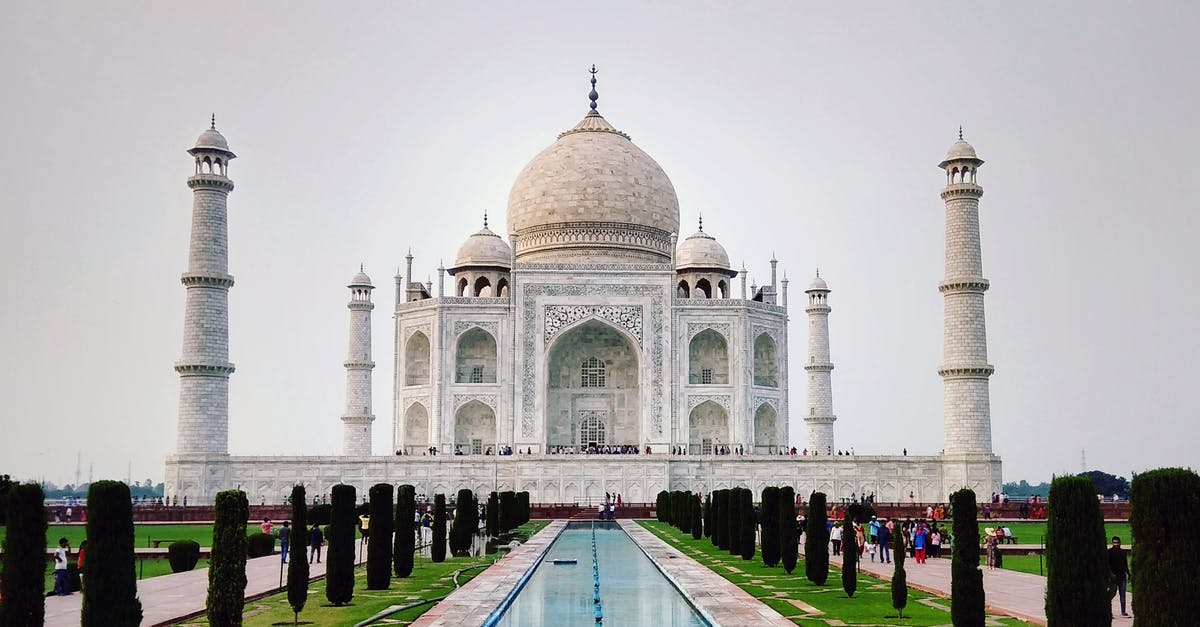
{"x":694,"y":328}
{"x":463,"y":399}
{"x":413,"y":400}
{"x":615,"y":267}
{"x":757,"y":330}
{"x":531,"y":292}
{"x":770,"y":400}
{"x":425,"y":328}
{"x":462,"y":326}
{"x":628,"y":317}
{"x":724,"y":400}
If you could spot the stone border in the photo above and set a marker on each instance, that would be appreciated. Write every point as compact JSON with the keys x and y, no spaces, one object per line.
{"x":717,"y":599}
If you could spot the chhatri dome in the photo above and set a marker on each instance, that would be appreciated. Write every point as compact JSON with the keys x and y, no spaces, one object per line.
{"x":701,"y":251}
{"x":484,"y":248}
{"x":212,"y":139}
{"x":961,"y":150}
{"x":593,"y":196}
{"x":361,"y":279}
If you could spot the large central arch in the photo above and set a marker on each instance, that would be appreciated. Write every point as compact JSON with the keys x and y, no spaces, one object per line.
{"x":593,"y":391}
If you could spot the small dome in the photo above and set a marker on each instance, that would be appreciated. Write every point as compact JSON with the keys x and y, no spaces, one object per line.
{"x":961,"y":150}
{"x":360,"y":280}
{"x":483,"y":248}
{"x":818,"y":284}
{"x":701,"y":251}
{"x":212,"y":139}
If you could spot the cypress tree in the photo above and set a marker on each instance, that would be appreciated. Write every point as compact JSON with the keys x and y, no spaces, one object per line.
{"x":297,"y":578}
{"x":227,"y":564}
{"x":788,"y":548}
{"x":685,"y":511}
{"x":899,"y":577}
{"x":466,"y":520}
{"x":769,"y":517}
{"x":109,"y":586}
{"x":706,"y":514}
{"x":523,"y":507}
{"x":493,"y":515}
{"x":379,"y":543}
{"x":1075,"y":595}
{"x":697,"y":518}
{"x":438,"y":550}
{"x":849,"y":555}
{"x":734,"y":522}
{"x":966,"y":580}
{"x":508,"y":511}
{"x":661,"y":506}
{"x":1166,"y":506}
{"x":339,"y":561}
{"x":748,"y":524}
{"x":816,"y":541}
{"x":22,"y":583}
{"x":406,"y":527}
{"x":718,"y":519}
{"x":673,"y":508}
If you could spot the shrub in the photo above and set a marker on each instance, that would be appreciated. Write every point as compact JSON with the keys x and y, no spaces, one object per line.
{"x":339,"y":561}
{"x":297,"y":578}
{"x":109,"y":588}
{"x":899,"y":578}
{"x":508,"y":511}
{"x":788,"y":548}
{"x":523,"y":507}
{"x":379,"y":542}
{"x":697,"y":518}
{"x":734,"y":521}
{"x":22,"y":601}
{"x":493,"y":515}
{"x":748,"y":524}
{"x":966,"y":580}
{"x":320,"y":514}
{"x":816,"y":541}
{"x":706,"y":515}
{"x":720,"y":531}
{"x":661,"y":507}
{"x":466,"y":520}
{"x":227,"y":564}
{"x":1075,"y":595}
{"x":260,"y":544}
{"x":6,"y":484}
{"x":183,"y":555}
{"x":438,"y":550}
{"x":849,"y":555}
{"x":769,"y":517}
{"x":684,"y":513}
{"x":406,"y":527}
{"x":1166,"y":506}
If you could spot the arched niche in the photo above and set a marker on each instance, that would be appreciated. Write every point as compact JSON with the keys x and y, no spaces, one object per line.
{"x":766,"y":429}
{"x":483,"y":287}
{"x":708,"y":427}
{"x":766,"y":361}
{"x":474,"y":428}
{"x":592,"y":372}
{"x":708,"y":359}
{"x":475,"y":357}
{"x":416,"y":360}
{"x":703,"y":289}
{"x":416,"y":428}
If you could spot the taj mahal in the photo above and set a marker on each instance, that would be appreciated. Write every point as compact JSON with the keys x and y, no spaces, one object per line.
{"x":587,"y":348}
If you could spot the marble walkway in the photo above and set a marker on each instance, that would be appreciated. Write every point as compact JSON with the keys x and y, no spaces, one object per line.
{"x":169,"y":598}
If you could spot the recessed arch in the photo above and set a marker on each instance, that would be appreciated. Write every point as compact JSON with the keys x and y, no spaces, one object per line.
{"x":703,"y":289}
{"x":766,"y":429}
{"x":708,"y":359}
{"x":766,"y":361}
{"x":576,"y":390}
{"x":416,"y":428}
{"x":483,"y":287}
{"x":416,"y":359}
{"x":502,"y":287}
{"x":474,"y":428}
{"x":708,"y":428}
{"x":722,"y":289}
{"x":475,"y":357}
{"x":682,"y":290}
{"x":461,"y":290}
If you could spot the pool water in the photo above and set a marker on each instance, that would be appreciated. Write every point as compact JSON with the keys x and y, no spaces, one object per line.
{"x":632,"y":589}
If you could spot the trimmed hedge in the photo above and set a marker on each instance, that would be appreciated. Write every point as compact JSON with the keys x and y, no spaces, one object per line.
{"x":339,"y":560}
{"x":849,"y":555}
{"x":22,"y":586}
{"x":769,"y":517}
{"x":523,"y":507}
{"x":706,"y":515}
{"x":1075,"y":553}
{"x":379,"y":542}
{"x":788,"y":545}
{"x":899,"y":577}
{"x":260,"y":544}
{"x":697,"y":518}
{"x":227,"y":565}
{"x":732,"y":515}
{"x":662,"y":506}
{"x":747,"y":523}
{"x":183,"y":556}
{"x":719,"y":522}
{"x":816,"y":540}
{"x":966,"y":580}
{"x":406,"y":528}
{"x":1166,"y":572}
{"x":109,"y":588}
{"x":466,"y":521}
{"x":297,"y":578}
{"x":493,"y":515}
{"x":508,"y":511}
{"x":438,"y":549}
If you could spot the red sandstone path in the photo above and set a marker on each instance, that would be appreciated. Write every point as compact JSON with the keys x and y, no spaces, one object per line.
{"x":168,"y":598}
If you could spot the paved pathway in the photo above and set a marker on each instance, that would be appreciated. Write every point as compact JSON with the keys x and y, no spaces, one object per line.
{"x":472,"y":603}
{"x":170,"y":597}
{"x":1007,"y":592}
{"x":719,"y":600}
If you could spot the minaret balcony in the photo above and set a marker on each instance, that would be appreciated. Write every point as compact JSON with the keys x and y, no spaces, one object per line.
{"x":359,"y":365}
{"x":204,"y":370}
{"x":818,"y":367}
{"x":210,"y":181}
{"x":966,"y":372}
{"x":360,"y":305}
{"x":818,"y":309}
{"x":962,"y":190}
{"x":204,"y":279}
{"x":973,"y":284}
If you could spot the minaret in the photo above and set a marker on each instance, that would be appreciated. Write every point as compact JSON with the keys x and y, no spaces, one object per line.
{"x":819,"y":418}
{"x":204,"y":367}
{"x":357,"y":419}
{"x":966,"y":410}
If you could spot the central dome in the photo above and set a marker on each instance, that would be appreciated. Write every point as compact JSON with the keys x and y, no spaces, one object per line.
{"x":593,"y":196}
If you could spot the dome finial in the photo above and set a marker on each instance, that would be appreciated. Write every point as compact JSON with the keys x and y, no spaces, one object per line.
{"x":960,"y":132}
{"x":593,"y":96}
{"x":485,"y":218}
{"x":702,"y":223}
{"x":360,"y":267}
{"x":818,"y":272}
{"x":213,"y":122}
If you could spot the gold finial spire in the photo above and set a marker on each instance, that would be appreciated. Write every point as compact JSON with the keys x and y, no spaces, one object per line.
{"x":960,"y":132}
{"x":213,"y":121}
{"x":593,"y":96}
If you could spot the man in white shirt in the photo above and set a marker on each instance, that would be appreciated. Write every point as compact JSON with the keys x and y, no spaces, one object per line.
{"x":61,"y":587}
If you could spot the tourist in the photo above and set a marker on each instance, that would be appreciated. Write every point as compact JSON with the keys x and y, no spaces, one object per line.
{"x":885,"y":543}
{"x":859,"y":538}
{"x":285,"y":537}
{"x":919,"y":537}
{"x":1118,"y":568}
{"x":315,"y":540}
{"x":835,"y":536}
{"x":79,"y":562}
{"x":61,"y":586}
{"x":267,"y":526}
{"x":874,"y":527}
{"x":935,"y":542}
{"x":990,"y":543}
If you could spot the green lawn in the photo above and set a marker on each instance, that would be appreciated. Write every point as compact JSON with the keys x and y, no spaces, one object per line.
{"x":76,"y":533}
{"x":428,"y":581}
{"x":805,"y":604}
{"x":1033,"y":532}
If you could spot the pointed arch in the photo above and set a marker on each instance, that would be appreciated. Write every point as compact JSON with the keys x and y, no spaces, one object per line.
{"x":766,"y":429}
{"x":708,"y":359}
{"x":474,"y":428}
{"x":461,"y":290}
{"x":593,"y":373}
{"x":416,"y":359}
{"x":483,"y":287}
{"x":708,"y":427}
{"x":703,"y":289}
{"x":766,"y":361}
{"x":416,"y":428}
{"x":502,"y":287}
{"x":475,"y":357}
{"x":682,"y":290}
{"x":722,"y":289}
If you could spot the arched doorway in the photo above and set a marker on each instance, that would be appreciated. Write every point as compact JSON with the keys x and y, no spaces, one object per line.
{"x":474,"y":429}
{"x":708,"y":359}
{"x":416,"y":429}
{"x":708,"y":428}
{"x":416,"y":360}
{"x":592,"y":395}
{"x":766,"y":429}
{"x":766,"y":362}
{"x":475,"y":358}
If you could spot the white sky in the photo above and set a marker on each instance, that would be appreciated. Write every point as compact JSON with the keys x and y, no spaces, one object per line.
{"x":802,"y":129}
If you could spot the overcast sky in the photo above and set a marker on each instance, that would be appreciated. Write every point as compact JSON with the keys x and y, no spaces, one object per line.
{"x":809,"y":130}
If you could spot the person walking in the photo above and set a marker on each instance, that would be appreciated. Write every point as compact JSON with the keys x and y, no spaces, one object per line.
{"x":990,"y":543}
{"x":1118,"y":567}
{"x":919,"y":537}
{"x":61,"y":585}
{"x":935,"y":542}
{"x":885,"y":543}
{"x":835,"y":536}
{"x":315,"y":540}
{"x":285,"y":538}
